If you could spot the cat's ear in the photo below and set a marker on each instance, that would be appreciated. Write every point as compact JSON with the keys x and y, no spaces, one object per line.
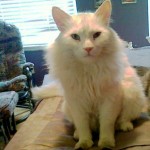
{"x":104,"y":11}
{"x":60,"y":17}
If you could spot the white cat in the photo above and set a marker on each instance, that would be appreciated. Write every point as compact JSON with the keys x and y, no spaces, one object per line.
{"x":101,"y":90}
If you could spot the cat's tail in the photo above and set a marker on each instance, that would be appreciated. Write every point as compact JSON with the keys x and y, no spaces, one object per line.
{"x":46,"y":91}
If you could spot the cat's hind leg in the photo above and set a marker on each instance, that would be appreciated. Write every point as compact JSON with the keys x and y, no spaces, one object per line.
{"x":76,"y":135}
{"x":133,"y":103}
{"x":125,"y":126}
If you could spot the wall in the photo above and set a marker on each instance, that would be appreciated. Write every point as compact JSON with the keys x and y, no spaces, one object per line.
{"x":131,"y":21}
{"x":85,"y":5}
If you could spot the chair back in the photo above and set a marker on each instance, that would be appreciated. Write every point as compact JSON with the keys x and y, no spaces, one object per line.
{"x":11,"y":51}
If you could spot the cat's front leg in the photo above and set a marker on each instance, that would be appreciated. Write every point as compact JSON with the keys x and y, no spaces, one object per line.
{"x":108,"y":115}
{"x":81,"y":121}
{"x":80,"y":118}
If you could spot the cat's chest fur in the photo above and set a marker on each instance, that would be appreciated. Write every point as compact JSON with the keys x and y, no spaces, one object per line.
{"x":90,"y":81}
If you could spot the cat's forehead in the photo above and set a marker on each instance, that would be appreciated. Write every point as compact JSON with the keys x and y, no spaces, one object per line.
{"x":85,"y":22}
{"x":82,"y":17}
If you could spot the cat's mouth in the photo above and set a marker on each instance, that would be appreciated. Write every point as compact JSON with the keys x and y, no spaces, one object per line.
{"x":89,"y":55}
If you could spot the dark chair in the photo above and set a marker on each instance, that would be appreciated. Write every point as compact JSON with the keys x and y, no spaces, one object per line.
{"x":8,"y":102}
{"x":15,"y":72}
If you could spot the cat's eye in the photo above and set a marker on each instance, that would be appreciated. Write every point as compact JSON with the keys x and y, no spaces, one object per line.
{"x":96,"y":35}
{"x":75,"y":37}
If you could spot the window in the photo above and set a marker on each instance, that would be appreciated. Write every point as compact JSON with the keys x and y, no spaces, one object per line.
{"x":33,"y":18}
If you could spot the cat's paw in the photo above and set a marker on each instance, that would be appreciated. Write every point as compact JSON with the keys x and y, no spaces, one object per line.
{"x":126,"y":126}
{"x":75,"y":135}
{"x":106,"y":143}
{"x":84,"y":144}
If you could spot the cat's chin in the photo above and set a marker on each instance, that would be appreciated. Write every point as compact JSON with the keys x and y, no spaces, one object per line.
{"x":89,"y":59}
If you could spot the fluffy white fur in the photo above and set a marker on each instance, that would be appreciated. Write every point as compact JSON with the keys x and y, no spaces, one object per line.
{"x":101,"y":90}
{"x":46,"y":91}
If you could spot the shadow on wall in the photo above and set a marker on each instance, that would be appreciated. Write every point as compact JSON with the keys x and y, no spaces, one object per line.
{"x":131,"y":21}
{"x":37,"y":57}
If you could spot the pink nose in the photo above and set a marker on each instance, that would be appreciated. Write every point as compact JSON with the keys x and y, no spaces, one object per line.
{"x":88,"y":49}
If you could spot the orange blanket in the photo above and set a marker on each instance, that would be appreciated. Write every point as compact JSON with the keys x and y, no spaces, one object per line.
{"x":46,"y":129}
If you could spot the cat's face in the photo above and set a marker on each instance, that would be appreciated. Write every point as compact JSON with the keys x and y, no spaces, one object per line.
{"x":85,"y":36}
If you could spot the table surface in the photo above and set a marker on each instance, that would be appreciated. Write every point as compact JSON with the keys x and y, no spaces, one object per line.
{"x":139,"y":56}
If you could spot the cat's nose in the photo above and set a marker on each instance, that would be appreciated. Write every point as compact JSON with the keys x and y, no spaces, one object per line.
{"x":88,"y":49}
